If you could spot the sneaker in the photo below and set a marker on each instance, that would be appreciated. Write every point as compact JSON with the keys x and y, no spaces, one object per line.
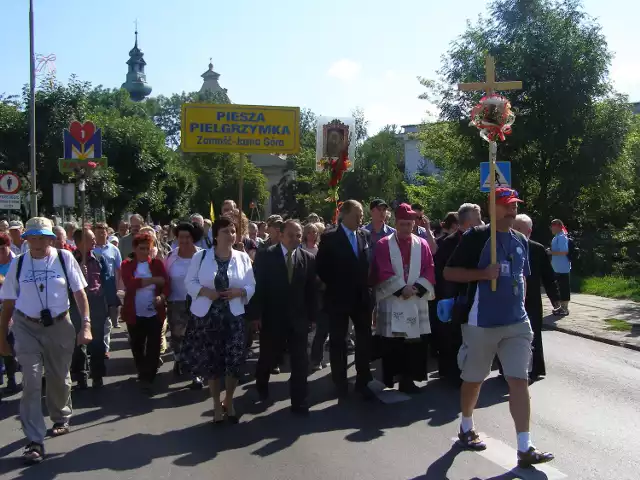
{"x":533,"y":456}
{"x":471,"y":441}
{"x":196,"y":384}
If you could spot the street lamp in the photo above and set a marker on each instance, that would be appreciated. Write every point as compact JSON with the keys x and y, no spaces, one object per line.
{"x":32,"y":115}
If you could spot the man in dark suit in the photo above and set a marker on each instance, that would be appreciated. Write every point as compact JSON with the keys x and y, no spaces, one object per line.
{"x":448,"y":336}
{"x":541,"y":273}
{"x":286,"y":302}
{"x":343,"y":265}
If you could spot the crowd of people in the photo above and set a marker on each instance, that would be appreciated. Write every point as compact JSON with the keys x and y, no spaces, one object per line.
{"x":393,"y":293}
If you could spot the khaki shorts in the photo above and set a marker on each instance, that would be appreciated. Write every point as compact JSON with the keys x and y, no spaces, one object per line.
{"x":512,"y":344}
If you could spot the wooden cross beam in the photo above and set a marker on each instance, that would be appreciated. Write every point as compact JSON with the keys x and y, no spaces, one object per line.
{"x":489,"y":85}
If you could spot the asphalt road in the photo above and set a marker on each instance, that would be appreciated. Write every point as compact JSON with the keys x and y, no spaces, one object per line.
{"x":587,"y":412}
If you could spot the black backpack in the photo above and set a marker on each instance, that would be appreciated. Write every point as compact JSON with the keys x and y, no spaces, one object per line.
{"x":572,"y":252}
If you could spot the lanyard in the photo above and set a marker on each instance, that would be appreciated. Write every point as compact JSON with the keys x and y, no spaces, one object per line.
{"x":44,"y":287}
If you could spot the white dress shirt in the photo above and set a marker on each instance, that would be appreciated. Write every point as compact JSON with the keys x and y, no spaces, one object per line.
{"x":203,"y":273}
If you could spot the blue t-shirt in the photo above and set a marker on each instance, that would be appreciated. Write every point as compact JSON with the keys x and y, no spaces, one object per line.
{"x":505,"y":306}
{"x":560,"y":263}
{"x":111,"y":254}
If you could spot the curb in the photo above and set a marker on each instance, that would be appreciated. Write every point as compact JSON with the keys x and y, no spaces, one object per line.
{"x":589,"y":336}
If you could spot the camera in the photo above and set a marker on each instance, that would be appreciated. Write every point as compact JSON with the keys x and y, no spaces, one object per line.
{"x":46,"y":317}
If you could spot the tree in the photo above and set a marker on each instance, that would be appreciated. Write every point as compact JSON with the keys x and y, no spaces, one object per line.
{"x":570,"y":128}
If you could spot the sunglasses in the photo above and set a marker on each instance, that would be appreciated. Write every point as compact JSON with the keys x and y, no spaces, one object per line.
{"x":507,"y":194}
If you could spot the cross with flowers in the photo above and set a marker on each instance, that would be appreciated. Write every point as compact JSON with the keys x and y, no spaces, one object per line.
{"x":493,"y":117}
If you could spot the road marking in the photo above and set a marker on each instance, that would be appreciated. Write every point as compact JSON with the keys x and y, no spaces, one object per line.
{"x":506,"y":457}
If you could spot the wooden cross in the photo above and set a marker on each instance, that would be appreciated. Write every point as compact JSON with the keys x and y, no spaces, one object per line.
{"x":490,"y":86}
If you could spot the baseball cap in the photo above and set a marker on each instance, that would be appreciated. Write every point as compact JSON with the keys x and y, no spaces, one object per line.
{"x":274,"y":221}
{"x":507,"y":196}
{"x":378,"y":202}
{"x":404,"y":212}
{"x":15,"y":224}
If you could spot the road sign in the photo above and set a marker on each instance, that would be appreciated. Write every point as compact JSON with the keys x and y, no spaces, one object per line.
{"x":82,"y":144}
{"x":64,"y":195}
{"x":240,"y":128}
{"x":10,"y":201}
{"x":503,"y":175}
{"x":9,"y":183}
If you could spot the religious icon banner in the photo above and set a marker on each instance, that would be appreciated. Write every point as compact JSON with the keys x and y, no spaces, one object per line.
{"x":333,"y":136}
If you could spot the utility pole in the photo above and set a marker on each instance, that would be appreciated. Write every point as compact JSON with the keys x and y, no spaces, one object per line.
{"x":32,"y":115}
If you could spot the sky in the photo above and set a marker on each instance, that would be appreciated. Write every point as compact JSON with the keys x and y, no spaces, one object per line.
{"x":327,"y":55}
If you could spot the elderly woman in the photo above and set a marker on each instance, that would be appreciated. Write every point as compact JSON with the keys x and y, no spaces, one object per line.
{"x":220,"y":282}
{"x":177,"y":264}
{"x":146,"y":289}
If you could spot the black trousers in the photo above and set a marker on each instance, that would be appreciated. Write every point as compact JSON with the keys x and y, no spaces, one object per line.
{"x":537,"y":361}
{"x":449,"y":339}
{"x":146,"y":339}
{"x":272,"y":346}
{"x":338,"y":329}
{"x":564,"y":286}
{"x":319,"y":338}
{"x":89,"y":360}
{"x":406,"y":358}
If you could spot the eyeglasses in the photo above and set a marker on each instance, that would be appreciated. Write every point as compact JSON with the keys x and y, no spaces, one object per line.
{"x":507,"y":193}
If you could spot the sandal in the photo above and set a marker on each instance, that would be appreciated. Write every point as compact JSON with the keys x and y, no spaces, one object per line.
{"x":33,"y":453}
{"x":59,"y":429}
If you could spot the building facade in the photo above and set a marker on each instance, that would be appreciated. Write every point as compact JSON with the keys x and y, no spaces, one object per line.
{"x":414,"y":162}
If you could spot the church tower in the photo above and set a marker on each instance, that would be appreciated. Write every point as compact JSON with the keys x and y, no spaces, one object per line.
{"x":136,"y":83}
{"x":210,"y":83}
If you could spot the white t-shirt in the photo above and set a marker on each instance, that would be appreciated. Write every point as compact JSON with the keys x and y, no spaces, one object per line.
{"x":42,"y":283}
{"x":177,"y":274}
{"x":145,"y":296}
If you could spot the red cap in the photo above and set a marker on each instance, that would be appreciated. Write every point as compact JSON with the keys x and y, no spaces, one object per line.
{"x":507,"y":196}
{"x":404,"y":212}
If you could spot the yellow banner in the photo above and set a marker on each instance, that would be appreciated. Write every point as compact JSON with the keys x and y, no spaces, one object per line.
{"x":240,"y":128}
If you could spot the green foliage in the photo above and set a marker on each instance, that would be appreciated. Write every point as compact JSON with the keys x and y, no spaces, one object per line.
{"x":574,"y":148}
{"x":147,"y":173}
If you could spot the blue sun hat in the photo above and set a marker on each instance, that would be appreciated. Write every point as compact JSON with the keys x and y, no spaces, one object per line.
{"x":445,"y":308}
{"x":38,"y":226}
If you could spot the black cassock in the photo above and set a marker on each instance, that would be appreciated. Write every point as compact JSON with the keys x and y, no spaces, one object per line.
{"x":541,"y":274}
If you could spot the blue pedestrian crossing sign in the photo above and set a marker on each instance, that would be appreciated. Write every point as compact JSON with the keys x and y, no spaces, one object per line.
{"x":502,"y":178}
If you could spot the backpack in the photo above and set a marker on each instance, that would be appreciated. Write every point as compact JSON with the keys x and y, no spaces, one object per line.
{"x":572,"y":252}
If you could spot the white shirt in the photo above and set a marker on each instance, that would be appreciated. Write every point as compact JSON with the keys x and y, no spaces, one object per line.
{"x":178,"y":272}
{"x":285,"y":252}
{"x":46,"y":274}
{"x":146,"y":295}
{"x":239,"y":271}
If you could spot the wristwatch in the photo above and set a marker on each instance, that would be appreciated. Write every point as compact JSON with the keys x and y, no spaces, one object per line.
{"x":86,"y":320}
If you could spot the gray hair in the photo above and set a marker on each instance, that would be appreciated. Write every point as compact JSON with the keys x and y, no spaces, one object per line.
{"x":70,"y":225}
{"x":58,"y":229}
{"x":521,"y":217}
{"x":196,"y":216}
{"x":464,"y":211}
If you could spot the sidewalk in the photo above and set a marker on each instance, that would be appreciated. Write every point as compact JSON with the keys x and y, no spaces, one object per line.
{"x":588,"y":315}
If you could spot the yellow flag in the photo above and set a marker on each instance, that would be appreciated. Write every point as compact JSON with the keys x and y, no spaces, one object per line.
{"x":212,"y":214}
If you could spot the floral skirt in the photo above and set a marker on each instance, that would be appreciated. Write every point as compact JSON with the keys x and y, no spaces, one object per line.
{"x":214,"y":345}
